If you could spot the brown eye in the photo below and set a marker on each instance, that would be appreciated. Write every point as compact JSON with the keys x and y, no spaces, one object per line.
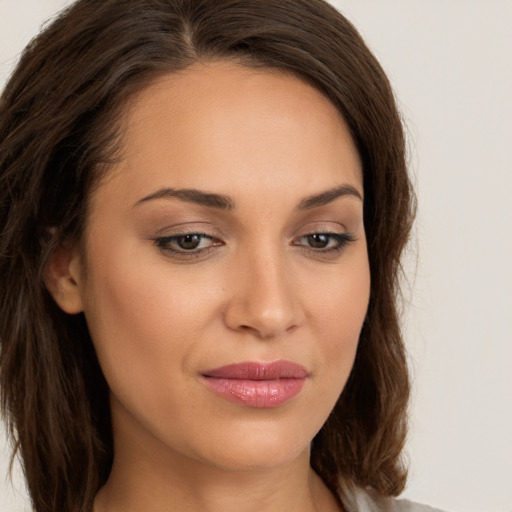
{"x":318,"y":240}
{"x":324,"y":242}
{"x":188,"y":242}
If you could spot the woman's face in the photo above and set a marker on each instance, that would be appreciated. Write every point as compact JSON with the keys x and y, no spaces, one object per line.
{"x":231,"y":233}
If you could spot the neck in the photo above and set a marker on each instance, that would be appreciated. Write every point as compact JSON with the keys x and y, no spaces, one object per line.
{"x":206,"y":489}
{"x":181,"y":484}
{"x":148,"y":475}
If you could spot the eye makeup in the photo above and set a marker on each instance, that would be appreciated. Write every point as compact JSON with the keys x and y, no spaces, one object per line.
{"x":193,"y":245}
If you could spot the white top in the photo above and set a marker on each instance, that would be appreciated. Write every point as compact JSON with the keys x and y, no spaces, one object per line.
{"x":362,"y":500}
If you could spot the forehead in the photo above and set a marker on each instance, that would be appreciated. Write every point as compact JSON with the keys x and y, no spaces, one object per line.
{"x":222,"y":126}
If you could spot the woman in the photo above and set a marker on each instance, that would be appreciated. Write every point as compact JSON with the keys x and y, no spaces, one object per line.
{"x":203,"y":208}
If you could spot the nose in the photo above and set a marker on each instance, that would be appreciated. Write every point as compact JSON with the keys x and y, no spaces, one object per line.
{"x":264,"y":298}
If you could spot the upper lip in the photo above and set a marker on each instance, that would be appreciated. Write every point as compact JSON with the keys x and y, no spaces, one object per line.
{"x":252,"y":370}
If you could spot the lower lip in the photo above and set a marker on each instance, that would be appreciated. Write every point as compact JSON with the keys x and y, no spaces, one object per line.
{"x":256,"y":393}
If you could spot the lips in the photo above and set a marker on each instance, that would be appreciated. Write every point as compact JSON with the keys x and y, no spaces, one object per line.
{"x":253,"y":384}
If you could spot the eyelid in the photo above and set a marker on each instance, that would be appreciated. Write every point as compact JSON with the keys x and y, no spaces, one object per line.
{"x":321,"y":224}
{"x":189,"y":228}
{"x":166,"y":239}
{"x":339,"y":237}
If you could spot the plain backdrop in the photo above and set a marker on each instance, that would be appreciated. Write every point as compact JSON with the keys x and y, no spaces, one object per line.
{"x":450,"y":62}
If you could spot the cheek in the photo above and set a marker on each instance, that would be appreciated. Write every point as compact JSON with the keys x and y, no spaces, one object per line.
{"x":144,"y":326}
{"x":142,"y":319}
{"x":338,"y":313}
{"x":132,"y":290}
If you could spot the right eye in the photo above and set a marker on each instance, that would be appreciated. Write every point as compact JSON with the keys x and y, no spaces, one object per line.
{"x":186,"y":244}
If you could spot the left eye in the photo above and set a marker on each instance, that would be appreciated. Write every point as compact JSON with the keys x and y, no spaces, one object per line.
{"x":325,"y":241}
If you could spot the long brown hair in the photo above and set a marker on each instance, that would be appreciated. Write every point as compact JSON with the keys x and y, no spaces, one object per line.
{"x":60,"y":126}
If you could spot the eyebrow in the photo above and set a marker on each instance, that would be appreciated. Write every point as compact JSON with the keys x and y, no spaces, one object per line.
{"x":223,"y":202}
{"x":192,"y":195}
{"x":328,"y":196}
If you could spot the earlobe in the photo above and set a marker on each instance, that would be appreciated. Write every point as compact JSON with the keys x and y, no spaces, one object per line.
{"x":62,"y":279}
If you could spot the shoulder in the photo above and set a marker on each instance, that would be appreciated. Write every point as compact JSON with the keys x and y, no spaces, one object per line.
{"x":363,"y":500}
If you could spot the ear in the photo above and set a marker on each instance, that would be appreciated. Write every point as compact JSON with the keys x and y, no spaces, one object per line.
{"x":62,"y":277}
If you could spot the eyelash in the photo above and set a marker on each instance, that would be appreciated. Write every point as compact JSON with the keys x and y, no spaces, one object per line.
{"x":341,"y":241}
{"x":165,"y":243}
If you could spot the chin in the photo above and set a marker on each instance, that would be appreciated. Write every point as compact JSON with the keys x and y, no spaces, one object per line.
{"x":257,"y":446}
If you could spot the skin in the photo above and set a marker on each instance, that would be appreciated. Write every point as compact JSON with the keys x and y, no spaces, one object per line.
{"x":253,"y":290}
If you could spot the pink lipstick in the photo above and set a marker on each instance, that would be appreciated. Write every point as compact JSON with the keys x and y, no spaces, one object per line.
{"x":256,"y":384}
